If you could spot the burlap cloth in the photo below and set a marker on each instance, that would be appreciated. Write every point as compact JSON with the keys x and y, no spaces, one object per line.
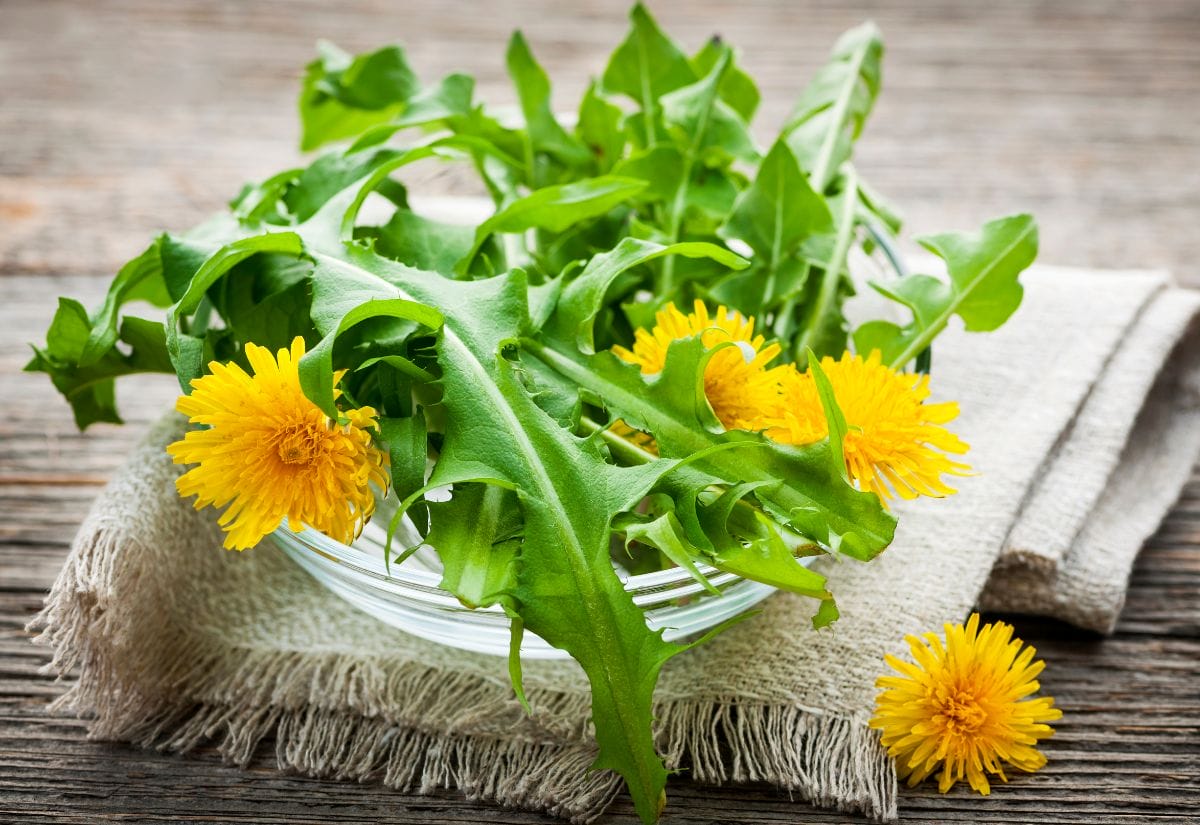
{"x":1081,"y":440}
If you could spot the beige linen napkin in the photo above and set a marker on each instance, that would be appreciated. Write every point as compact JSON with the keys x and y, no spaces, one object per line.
{"x":1111,"y":478}
{"x":177,"y":642}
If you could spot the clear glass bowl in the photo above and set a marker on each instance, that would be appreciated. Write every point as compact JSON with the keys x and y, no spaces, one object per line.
{"x":407,"y":595}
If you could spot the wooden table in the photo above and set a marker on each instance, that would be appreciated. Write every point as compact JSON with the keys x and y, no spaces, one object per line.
{"x":118,"y":119}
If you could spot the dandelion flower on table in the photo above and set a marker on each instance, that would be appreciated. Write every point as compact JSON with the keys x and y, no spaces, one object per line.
{"x":963,"y":708}
{"x":739,"y":386}
{"x":895,"y":441}
{"x":266,"y":453}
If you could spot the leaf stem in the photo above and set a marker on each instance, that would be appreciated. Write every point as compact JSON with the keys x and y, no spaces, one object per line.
{"x":679,"y":203}
{"x":833,"y":270}
{"x":667,"y":284}
{"x":629,"y":451}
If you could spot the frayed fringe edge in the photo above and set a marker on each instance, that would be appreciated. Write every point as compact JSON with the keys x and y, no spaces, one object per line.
{"x":369,"y":720}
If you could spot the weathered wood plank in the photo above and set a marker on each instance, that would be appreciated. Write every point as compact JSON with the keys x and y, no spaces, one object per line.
{"x":1081,"y":112}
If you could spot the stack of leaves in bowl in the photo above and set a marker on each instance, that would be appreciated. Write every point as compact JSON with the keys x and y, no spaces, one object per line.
{"x":646,"y":337}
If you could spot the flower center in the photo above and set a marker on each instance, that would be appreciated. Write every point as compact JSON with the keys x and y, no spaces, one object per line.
{"x":297,"y":444}
{"x":962,"y":714}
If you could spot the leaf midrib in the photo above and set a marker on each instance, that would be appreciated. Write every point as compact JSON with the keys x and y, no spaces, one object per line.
{"x":838,"y":115}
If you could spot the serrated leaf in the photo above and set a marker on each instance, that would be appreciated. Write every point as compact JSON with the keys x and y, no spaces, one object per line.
{"x":266,"y":298}
{"x":665,"y":534}
{"x":344,"y":96}
{"x":421,"y":242}
{"x":351,"y":199}
{"x":140,"y":279}
{"x":984,"y":287}
{"x":567,"y":590}
{"x":646,"y":66}
{"x":448,"y":101}
{"x":779,"y":211}
{"x":830,"y":114}
{"x":775,"y":216}
{"x":90,"y":388}
{"x":187,"y":353}
{"x":330,"y":174}
{"x":545,"y":133}
{"x":584,"y":296}
{"x":555,"y":208}
{"x":342,"y":299}
{"x":770,"y":561}
{"x":702,"y":123}
{"x":804,"y":489}
{"x":738,"y":89}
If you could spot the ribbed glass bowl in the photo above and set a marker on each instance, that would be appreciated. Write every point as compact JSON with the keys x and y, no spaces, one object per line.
{"x":407,"y":595}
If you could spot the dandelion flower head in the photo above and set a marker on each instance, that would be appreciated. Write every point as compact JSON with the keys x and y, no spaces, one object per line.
{"x":265,"y":453}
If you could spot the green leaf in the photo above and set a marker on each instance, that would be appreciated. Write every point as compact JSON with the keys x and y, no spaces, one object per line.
{"x":568,"y":592}
{"x":738,"y":89}
{"x":584,"y":297}
{"x":778,"y":216}
{"x":451,"y":147}
{"x":186,"y":352}
{"x":545,"y":133}
{"x":140,"y":279}
{"x":477,"y":535}
{"x":826,"y":614}
{"x":834,"y":420}
{"x":260,"y":203}
{"x":770,"y":561}
{"x":182,"y":256}
{"x":599,"y":128}
{"x":408,"y":448}
{"x":774,"y":216}
{"x":830,"y":114}
{"x":983,"y":288}
{"x":646,"y":66}
{"x":823,"y":326}
{"x":443,"y":104}
{"x":698,"y":120}
{"x":555,"y":208}
{"x":330,"y":174}
{"x":665,"y":534}
{"x":341,"y":300}
{"x":89,"y":388}
{"x":266,"y":299}
{"x":661,"y":168}
{"x":423,"y":243}
{"x":344,"y":96}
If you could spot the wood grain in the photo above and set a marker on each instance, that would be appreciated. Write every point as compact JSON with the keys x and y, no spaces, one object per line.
{"x":119,"y":119}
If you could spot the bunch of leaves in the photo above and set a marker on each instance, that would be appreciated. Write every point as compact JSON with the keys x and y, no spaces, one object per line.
{"x":485,"y":348}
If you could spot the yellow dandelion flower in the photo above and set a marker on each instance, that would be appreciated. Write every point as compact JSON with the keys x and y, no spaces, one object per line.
{"x":266,"y":453}
{"x":963,"y":707}
{"x":737,"y":383}
{"x":894,"y":438}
